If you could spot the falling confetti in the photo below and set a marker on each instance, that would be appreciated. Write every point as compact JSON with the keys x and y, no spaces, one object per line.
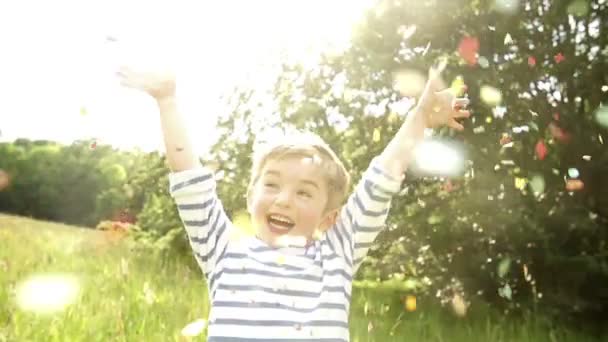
{"x":573,"y":172}
{"x":439,"y":158}
{"x":574,"y":185}
{"x":601,"y":116}
{"x":483,"y":62}
{"x":558,"y":133}
{"x":406,"y":31}
{"x":541,"y":150}
{"x":505,"y":292}
{"x":559,"y":58}
{"x":376,"y":135}
{"x":605,"y":88}
{"x":458,"y":87}
{"x":505,"y":139}
{"x":508,"y":39}
{"x":586,"y":157}
{"x":490,"y":95}
{"x":459,"y":306}
{"x":46,"y":294}
{"x":503,"y":267}
{"x":468,"y":48}
{"x":194,"y":329}
{"x":410,"y":303}
{"x":531,"y":61}
{"x":537,"y":184}
{"x":520,"y":183}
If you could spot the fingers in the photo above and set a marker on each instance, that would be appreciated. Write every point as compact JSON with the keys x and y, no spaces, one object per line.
{"x":455,"y":125}
{"x":460,"y":103}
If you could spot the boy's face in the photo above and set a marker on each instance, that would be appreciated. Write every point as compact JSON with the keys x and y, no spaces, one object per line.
{"x":288,"y":200}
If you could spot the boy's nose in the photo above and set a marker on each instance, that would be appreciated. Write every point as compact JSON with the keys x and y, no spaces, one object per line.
{"x":284,"y":198}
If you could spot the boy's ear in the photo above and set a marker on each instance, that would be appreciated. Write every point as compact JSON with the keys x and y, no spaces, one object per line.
{"x":329,"y":220}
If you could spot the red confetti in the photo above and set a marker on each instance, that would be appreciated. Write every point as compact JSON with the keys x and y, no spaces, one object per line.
{"x":558,"y":133}
{"x":574,"y":185}
{"x":468,"y":49}
{"x":541,"y":150}
{"x":505,"y":139}
{"x":531,"y":61}
{"x":559,"y":58}
{"x":94,"y":144}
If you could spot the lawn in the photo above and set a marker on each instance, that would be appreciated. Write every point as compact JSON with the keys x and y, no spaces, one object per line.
{"x":126,"y":297}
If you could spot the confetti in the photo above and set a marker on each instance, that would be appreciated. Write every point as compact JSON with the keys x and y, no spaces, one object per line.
{"x":601,"y":116}
{"x":499,"y":112}
{"x":531,"y":61}
{"x":505,"y":292}
{"x":537,"y":183}
{"x":587,"y":157}
{"x":541,"y":150}
{"x":410,"y":303}
{"x":573,"y":172}
{"x":370,"y":327}
{"x":376,"y":135}
{"x":490,"y":95}
{"x":468,"y":48}
{"x":483,"y":62}
{"x":93,"y":144}
{"x":574,"y":184}
{"x":459,"y":306}
{"x":503,"y":267}
{"x":508,"y":39}
{"x":458,"y":87}
{"x":559,"y":58}
{"x":505,"y":139}
{"x":406,"y":31}
{"x":605,"y":88}
{"x":558,"y":133}
{"x":520,"y":183}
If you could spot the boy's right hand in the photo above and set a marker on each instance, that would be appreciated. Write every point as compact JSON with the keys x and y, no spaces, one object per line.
{"x":160,"y":85}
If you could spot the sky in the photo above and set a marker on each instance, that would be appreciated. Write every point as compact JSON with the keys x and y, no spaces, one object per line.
{"x":56,"y":60}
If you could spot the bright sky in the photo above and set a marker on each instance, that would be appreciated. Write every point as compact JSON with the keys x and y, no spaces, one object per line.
{"x":55,"y":60}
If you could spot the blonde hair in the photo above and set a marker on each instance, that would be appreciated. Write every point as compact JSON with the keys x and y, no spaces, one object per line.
{"x":303,"y":144}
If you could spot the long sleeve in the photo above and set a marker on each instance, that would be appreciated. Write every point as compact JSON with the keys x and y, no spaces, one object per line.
{"x":202,"y":214}
{"x":364,"y":215}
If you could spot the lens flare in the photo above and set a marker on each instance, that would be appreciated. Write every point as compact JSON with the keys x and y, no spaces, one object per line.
{"x":45,"y":294}
{"x":439,"y":158}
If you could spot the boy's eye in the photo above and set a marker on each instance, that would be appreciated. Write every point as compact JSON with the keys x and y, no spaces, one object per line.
{"x":305,"y":193}
{"x":270,"y":185}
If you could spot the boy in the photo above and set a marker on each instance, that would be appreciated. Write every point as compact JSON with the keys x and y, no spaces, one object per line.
{"x":292,"y":281}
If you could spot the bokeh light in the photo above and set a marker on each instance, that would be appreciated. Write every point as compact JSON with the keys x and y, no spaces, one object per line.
{"x":507,"y":6}
{"x":490,"y":95}
{"x":439,"y":158}
{"x":48,"y":293}
{"x":409,"y":82}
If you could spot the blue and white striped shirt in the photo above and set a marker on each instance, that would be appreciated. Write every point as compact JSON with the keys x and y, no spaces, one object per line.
{"x":264,"y":293}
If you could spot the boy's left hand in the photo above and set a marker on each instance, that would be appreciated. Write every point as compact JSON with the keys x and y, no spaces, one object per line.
{"x":440,"y":105}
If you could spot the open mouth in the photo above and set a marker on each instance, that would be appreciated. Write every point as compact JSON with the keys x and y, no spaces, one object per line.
{"x":279,"y":224}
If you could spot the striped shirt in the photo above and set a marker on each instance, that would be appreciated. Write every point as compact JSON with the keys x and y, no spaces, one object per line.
{"x":263,"y":293}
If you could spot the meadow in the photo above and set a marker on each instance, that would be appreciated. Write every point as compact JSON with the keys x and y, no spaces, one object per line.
{"x":126,"y":296}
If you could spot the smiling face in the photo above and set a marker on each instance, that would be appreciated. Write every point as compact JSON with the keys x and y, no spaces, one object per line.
{"x":288,"y":201}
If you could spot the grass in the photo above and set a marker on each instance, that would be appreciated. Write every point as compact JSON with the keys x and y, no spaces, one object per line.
{"x":112,"y":304}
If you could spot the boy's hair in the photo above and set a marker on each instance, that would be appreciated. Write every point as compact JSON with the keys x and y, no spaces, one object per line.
{"x":303,"y":144}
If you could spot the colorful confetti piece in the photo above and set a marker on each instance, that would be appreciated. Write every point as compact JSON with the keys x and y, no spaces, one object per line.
{"x":558,"y":133}
{"x":459,"y":306}
{"x":410,"y":303}
{"x":468,"y":48}
{"x":531,"y":61}
{"x":520,"y":183}
{"x":574,"y":185}
{"x":601,"y":116}
{"x":537,"y":184}
{"x":573,"y":172}
{"x":505,"y":139}
{"x":508,"y":39}
{"x":541,"y":150}
{"x":559,"y":58}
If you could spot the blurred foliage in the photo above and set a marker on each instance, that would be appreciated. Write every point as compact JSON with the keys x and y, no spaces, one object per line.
{"x":507,"y":231}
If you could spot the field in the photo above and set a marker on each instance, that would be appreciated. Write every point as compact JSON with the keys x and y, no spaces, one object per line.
{"x":125,"y":297}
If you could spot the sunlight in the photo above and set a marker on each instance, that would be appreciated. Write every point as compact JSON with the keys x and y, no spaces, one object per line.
{"x":46,"y":294}
{"x":439,"y":158}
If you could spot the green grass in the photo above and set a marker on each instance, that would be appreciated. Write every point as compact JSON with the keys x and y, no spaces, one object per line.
{"x":111,"y":305}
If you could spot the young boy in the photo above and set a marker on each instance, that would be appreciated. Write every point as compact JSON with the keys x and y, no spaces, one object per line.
{"x":292,"y":281}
